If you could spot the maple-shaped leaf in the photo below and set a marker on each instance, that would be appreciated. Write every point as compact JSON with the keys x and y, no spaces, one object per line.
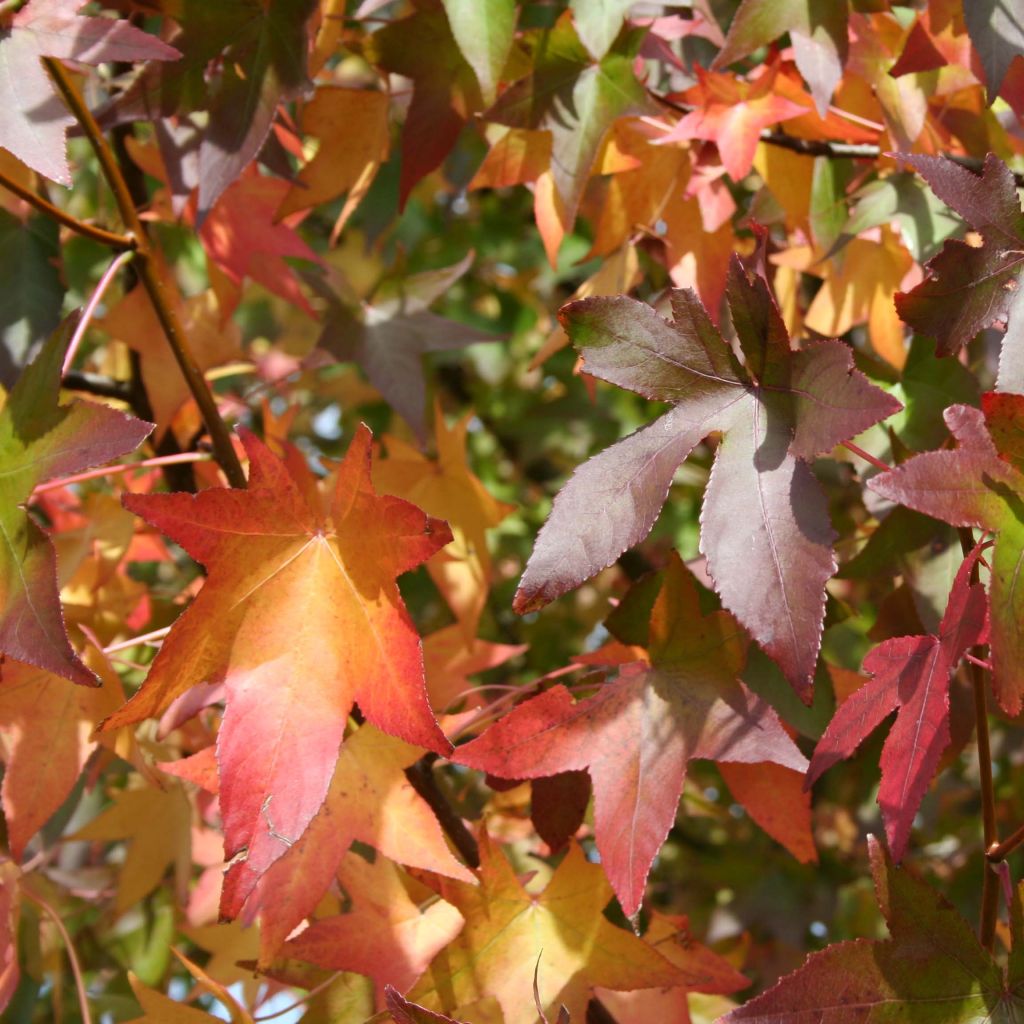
{"x":970,"y":287}
{"x":997,"y":32}
{"x":445,"y":89}
{"x":242,"y":240}
{"x":509,"y":929}
{"x":732,"y":113}
{"x":390,"y":336}
{"x":931,"y":968}
{"x":576,"y":99}
{"x":765,"y":527}
{"x":974,"y":485}
{"x":450,"y":658}
{"x":46,"y":738}
{"x":447,"y":488}
{"x":370,"y":800}
{"x":484,"y":30}
{"x":391,"y":930}
{"x":308,"y":621}
{"x":913,"y":674}
{"x":818,"y":34}
{"x":157,"y":823}
{"x":39,"y":441}
{"x":637,"y":734}
{"x":33,"y":118}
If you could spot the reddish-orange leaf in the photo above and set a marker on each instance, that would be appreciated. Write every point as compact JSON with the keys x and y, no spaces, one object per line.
{"x":300,"y":618}
{"x":732,"y":113}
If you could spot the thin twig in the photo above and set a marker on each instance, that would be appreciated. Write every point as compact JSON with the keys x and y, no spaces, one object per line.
{"x":90,"y":307}
{"x":122,"y":467}
{"x":76,"y":970}
{"x":998,"y":852}
{"x":989,"y":888}
{"x":110,"y":238}
{"x":866,"y":456}
{"x":220,"y":436}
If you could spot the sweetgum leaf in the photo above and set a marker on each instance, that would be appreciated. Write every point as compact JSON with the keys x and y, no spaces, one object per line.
{"x":912,"y":673}
{"x":308,"y":621}
{"x":997,"y":33}
{"x":33,"y":118}
{"x":39,"y":441}
{"x":931,"y":969}
{"x":969,"y":287}
{"x":636,"y":735}
{"x":765,"y":527}
{"x":973,"y":486}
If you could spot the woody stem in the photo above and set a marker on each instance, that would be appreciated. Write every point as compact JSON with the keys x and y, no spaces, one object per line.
{"x":146,"y":265}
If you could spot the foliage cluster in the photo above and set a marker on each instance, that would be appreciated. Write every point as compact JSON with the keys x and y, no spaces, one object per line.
{"x":476,"y":478}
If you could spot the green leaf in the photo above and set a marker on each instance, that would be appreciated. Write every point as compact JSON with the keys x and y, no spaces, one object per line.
{"x":598,"y":22}
{"x":484,"y":30}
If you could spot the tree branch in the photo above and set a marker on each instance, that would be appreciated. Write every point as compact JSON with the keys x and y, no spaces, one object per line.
{"x":110,"y":238}
{"x":224,"y":450}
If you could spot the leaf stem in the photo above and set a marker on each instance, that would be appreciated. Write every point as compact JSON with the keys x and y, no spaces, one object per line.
{"x":76,"y":970}
{"x":220,"y":436}
{"x":145,"y":638}
{"x":998,"y":852}
{"x":109,"y":238}
{"x":90,"y":307}
{"x":989,"y":888}
{"x":326,"y":983}
{"x":866,"y":456}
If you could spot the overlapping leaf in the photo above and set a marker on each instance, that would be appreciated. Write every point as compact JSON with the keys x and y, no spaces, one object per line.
{"x":508,"y":930}
{"x":41,"y":440}
{"x":637,"y":734}
{"x":970,"y":287}
{"x":975,"y":485}
{"x":33,"y":118}
{"x":911,"y":673}
{"x":308,"y":621}
{"x":931,"y":969}
{"x":765,"y":527}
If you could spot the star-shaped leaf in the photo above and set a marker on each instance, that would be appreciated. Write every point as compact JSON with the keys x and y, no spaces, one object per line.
{"x":911,"y":673}
{"x":970,"y":287}
{"x":637,"y":734}
{"x":931,"y":969}
{"x":508,"y":929}
{"x":33,"y":118}
{"x":765,"y":526}
{"x":39,"y":441}
{"x":975,"y":485}
{"x":308,"y":621}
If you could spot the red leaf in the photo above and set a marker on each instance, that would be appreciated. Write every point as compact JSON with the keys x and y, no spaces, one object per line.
{"x":911,"y":673}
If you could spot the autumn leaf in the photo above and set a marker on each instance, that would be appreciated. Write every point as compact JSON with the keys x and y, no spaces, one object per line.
{"x":370,"y":800}
{"x":818,"y":34}
{"x":392,"y":929}
{"x":970,"y":287}
{"x":636,"y":735}
{"x":389,"y":336}
{"x":10,"y":912}
{"x":46,"y":738}
{"x":765,"y":527}
{"x":156,"y":823}
{"x":932,"y":959}
{"x":507,"y":929}
{"x":446,"y":488}
{"x":41,"y":440}
{"x":241,"y":240}
{"x":998,"y":36}
{"x":913,"y":674}
{"x":309,"y":621}
{"x":33,"y":119}
{"x":484,"y":30}
{"x":574,"y":98}
{"x":671,"y":936}
{"x":404,"y":1012}
{"x":973,"y":486}
{"x":450,"y":659}
{"x":732,"y":113}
